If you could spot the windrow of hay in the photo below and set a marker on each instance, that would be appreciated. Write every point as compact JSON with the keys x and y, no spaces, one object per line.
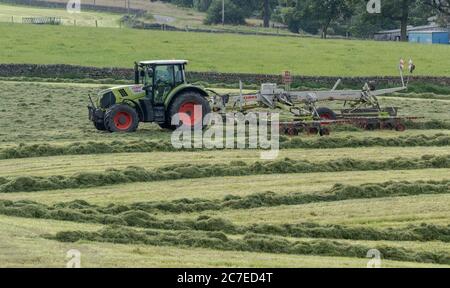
{"x":338,"y":192}
{"x":191,"y":171}
{"x":439,"y":139}
{"x":80,"y":211}
{"x":428,"y":125}
{"x":92,"y":147}
{"x":250,"y":242}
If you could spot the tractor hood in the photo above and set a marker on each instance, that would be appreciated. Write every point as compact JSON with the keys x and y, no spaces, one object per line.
{"x":108,"y":97}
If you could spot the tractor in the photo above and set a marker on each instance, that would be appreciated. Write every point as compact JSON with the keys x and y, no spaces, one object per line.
{"x":160,"y":91}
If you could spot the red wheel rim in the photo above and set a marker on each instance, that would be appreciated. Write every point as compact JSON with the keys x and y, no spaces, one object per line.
{"x":122,"y":120}
{"x":189,"y":115}
{"x":327,"y":117}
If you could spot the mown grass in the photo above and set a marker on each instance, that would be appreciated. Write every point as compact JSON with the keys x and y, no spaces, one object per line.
{"x":49,"y":112}
{"x":95,"y":147}
{"x":218,"y":187}
{"x":368,"y":212}
{"x":296,"y":209}
{"x":29,"y":249}
{"x":209,"y":52}
{"x":71,"y":164}
{"x":215,"y":237}
{"x":251,"y":242}
{"x":142,"y":214}
{"x":194,"y":171}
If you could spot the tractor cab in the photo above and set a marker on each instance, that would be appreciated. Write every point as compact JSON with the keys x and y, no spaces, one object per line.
{"x":160,"y":77}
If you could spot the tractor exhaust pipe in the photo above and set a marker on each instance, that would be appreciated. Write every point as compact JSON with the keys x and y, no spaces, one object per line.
{"x":136,"y":73}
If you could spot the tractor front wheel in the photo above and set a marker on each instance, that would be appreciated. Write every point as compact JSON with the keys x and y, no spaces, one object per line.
{"x":99,"y":126}
{"x":121,"y":118}
{"x":187,"y":107}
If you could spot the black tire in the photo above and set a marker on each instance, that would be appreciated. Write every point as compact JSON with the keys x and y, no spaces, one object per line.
{"x":326,"y":113}
{"x":121,"y":118}
{"x":324,"y":131}
{"x":100,"y":126}
{"x":186,"y":99}
{"x":167,"y":126}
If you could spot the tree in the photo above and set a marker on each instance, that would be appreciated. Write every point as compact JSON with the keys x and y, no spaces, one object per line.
{"x":443,"y":6}
{"x":310,"y":14}
{"x":233,"y":14}
{"x":400,"y":11}
{"x":301,"y":17}
{"x":267,"y":13}
{"x":202,"y":5}
{"x":327,"y":11}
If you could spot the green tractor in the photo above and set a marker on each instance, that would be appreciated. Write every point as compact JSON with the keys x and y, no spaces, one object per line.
{"x":160,"y":92}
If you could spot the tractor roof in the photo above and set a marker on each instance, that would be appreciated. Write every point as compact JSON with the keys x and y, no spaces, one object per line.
{"x":164,"y":62}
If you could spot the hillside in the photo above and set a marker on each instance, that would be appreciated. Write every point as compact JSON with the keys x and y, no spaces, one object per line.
{"x":110,"y":47}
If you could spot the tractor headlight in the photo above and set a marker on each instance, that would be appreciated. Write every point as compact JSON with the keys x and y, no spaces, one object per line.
{"x":107,"y":100}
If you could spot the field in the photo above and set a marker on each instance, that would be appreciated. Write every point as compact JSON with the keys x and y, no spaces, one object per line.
{"x":133,"y":200}
{"x":182,"y":17}
{"x":10,"y":13}
{"x":130,"y":200}
{"x":215,"y":52}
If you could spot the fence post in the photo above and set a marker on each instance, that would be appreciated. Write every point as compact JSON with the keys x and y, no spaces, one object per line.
{"x":96,"y":24}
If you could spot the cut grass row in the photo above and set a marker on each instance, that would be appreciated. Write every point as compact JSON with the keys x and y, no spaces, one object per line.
{"x":23,"y":246}
{"x":143,"y":214}
{"x":91,"y":147}
{"x":391,"y":211}
{"x":215,"y":188}
{"x":338,"y":192}
{"x":195,"y":171}
{"x":250,"y":242}
{"x":71,"y":164}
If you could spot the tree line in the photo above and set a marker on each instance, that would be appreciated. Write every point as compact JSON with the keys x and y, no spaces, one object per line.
{"x":337,"y":17}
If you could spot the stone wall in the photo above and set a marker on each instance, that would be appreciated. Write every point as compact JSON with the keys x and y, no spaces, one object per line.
{"x":83,"y":72}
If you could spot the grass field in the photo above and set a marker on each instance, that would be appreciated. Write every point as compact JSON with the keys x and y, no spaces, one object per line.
{"x":362,"y":190}
{"x":9,"y":13}
{"x":29,"y":112}
{"x":213,"y":52}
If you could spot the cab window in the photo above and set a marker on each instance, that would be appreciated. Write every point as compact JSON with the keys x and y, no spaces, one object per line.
{"x":164,"y":75}
{"x":163,"y":82}
{"x":178,"y":75}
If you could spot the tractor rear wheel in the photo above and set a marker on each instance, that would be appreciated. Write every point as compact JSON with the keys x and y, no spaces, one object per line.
{"x":121,"y":118}
{"x":187,"y":107}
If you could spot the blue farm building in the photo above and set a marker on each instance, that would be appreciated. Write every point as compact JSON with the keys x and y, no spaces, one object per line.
{"x":429,"y":37}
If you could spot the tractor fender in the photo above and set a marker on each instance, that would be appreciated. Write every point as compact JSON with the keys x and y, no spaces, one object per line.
{"x":182,"y":89}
